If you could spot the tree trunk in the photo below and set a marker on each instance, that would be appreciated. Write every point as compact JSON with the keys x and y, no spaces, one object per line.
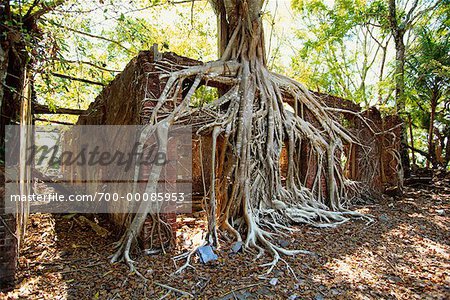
{"x":399,"y":76}
{"x":4,"y":53}
{"x":380,"y":78}
{"x":431,"y":146}
{"x":399,"y":72}
{"x":398,"y":33}
{"x":240,"y":29}
{"x":411,"y":136}
{"x":13,"y":62}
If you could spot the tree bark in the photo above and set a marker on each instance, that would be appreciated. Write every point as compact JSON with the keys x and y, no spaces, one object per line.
{"x":240,"y":29}
{"x":412,"y":139}
{"x":398,"y":30}
{"x":12,"y":71}
{"x":431,"y":146}
{"x":399,"y":71}
{"x":4,"y":53}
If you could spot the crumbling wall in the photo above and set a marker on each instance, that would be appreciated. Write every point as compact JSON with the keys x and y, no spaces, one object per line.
{"x":374,"y":163}
{"x":371,"y":161}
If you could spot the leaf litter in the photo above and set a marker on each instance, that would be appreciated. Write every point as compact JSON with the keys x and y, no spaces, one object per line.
{"x":404,"y":254}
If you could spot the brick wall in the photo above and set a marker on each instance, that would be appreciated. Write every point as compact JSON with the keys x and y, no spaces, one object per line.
{"x":8,"y":243}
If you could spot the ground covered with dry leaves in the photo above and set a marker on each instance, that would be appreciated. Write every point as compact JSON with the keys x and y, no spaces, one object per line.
{"x":404,"y":254}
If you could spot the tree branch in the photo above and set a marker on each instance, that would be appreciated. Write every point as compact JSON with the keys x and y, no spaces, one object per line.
{"x":423,"y":153}
{"x":52,"y":121}
{"x":392,"y":16}
{"x":35,"y":2}
{"x":425,"y":10}
{"x":411,"y":11}
{"x":88,"y":63}
{"x":374,"y":25}
{"x":94,"y":36}
{"x":45,"y":9}
{"x":77,"y":79}
{"x":43,"y":109}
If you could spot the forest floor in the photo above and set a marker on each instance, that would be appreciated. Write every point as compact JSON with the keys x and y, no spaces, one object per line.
{"x":404,"y":254}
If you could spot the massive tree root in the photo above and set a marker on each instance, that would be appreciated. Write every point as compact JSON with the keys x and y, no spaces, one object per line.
{"x":250,"y":125}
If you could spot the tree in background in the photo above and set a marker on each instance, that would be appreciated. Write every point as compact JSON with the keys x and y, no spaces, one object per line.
{"x":358,"y":49}
{"x":342,"y":49}
{"x":428,"y":83}
{"x":402,"y":16}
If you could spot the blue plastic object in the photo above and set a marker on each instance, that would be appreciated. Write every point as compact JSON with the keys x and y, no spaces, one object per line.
{"x":206,"y":254}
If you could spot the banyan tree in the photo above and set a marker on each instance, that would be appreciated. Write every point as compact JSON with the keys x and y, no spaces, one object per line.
{"x":249,"y":195}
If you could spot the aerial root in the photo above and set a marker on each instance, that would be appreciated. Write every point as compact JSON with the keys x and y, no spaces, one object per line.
{"x":187,"y":256}
{"x":124,"y":247}
{"x":123,"y":254}
{"x":257,"y":235}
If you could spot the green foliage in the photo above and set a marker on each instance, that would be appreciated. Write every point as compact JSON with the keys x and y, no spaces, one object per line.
{"x":429,"y":63}
{"x":347,"y":49}
{"x":204,"y":94}
{"x":428,"y":80}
